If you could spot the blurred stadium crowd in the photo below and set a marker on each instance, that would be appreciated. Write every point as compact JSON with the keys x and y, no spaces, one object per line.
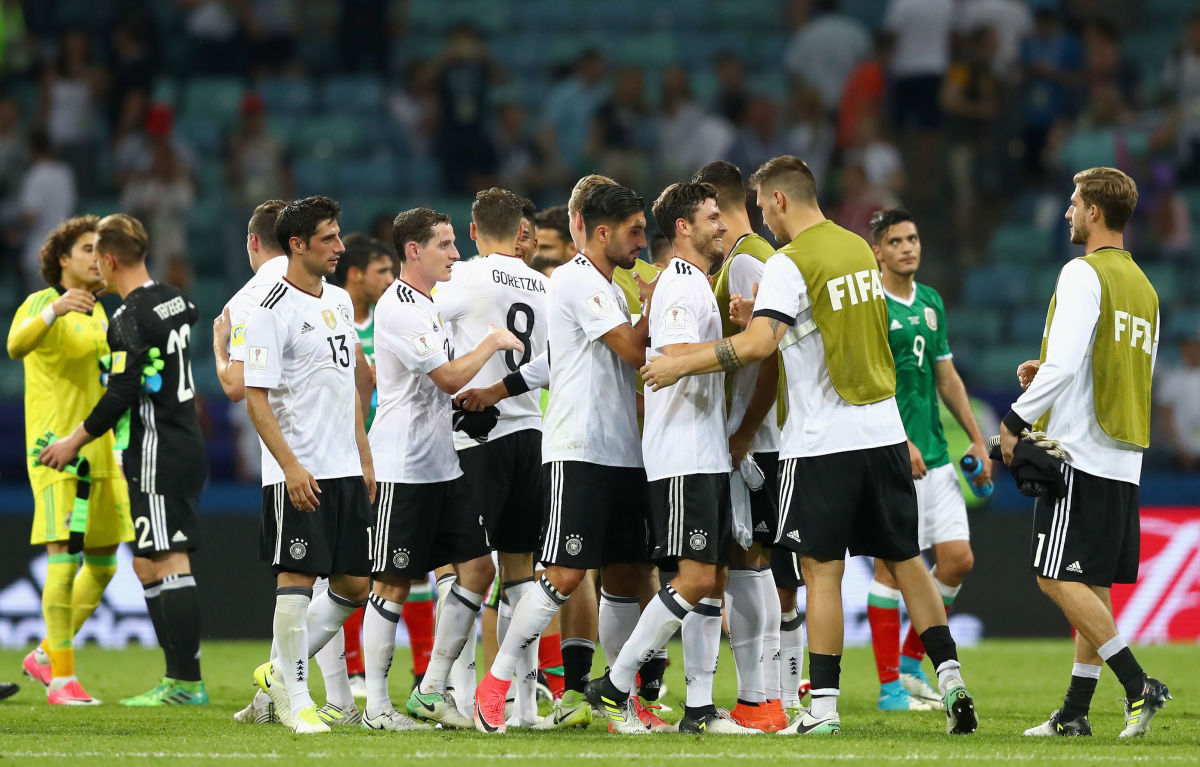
{"x":972,"y":113}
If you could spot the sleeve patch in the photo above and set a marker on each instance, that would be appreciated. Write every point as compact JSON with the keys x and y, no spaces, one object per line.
{"x":601,"y":304}
{"x":118,"y":362}
{"x":238,"y":337}
{"x":256,"y":358}
{"x":675,"y":318}
{"x":426,"y":344}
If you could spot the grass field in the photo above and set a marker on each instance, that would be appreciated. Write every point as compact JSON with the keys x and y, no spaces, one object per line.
{"x":1015,"y":684}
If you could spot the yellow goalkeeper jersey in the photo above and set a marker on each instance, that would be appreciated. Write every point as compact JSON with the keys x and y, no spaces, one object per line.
{"x":62,"y":379}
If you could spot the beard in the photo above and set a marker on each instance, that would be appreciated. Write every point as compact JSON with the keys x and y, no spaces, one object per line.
{"x":714,"y":252}
{"x":619,"y":256}
{"x":1079,"y":234}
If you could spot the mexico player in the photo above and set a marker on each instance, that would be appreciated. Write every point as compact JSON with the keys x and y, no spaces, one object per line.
{"x":820,"y":298}
{"x":59,"y":335}
{"x":422,"y":517}
{"x":924,"y":370}
{"x":318,"y":479}
{"x":502,"y":476}
{"x":165,"y":463}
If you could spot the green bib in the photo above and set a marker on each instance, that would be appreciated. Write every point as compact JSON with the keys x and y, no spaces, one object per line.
{"x":1122,"y":354}
{"x":756,"y":246}
{"x":849,"y":309}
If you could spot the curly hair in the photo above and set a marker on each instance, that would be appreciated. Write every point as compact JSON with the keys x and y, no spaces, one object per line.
{"x":59,"y":243}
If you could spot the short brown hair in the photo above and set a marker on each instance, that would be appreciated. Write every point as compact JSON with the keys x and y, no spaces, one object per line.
{"x":789,"y":174}
{"x":1110,"y":190}
{"x":415,"y":225}
{"x":556,"y":219}
{"x":727,"y":178}
{"x":262,"y":223}
{"x":583,"y":187}
{"x":59,"y":243}
{"x":680,"y":201}
{"x":497,"y":213}
{"x":124,"y":237}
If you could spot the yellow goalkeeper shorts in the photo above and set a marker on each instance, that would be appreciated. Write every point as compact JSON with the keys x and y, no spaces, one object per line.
{"x":108,"y":513}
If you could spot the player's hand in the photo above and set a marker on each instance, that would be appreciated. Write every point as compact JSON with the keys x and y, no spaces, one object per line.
{"x":1008,"y":443}
{"x":74,"y":300}
{"x":741,"y":309}
{"x":504,"y":339}
{"x":476,"y":400}
{"x":918,"y":462}
{"x":661,"y":371}
{"x":1026,"y":371}
{"x":302,"y":487}
{"x":59,"y":453}
{"x":739,"y":445}
{"x":645,"y":289}
{"x":221,"y":330}
{"x":979,"y":450}
{"x":369,"y":480}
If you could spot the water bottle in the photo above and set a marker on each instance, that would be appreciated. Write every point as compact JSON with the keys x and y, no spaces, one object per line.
{"x":970,"y":469}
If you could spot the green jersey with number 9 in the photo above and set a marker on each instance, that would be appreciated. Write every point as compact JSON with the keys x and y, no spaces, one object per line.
{"x":917,"y":335}
{"x":366,"y":337}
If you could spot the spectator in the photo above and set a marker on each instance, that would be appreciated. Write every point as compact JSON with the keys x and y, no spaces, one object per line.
{"x":12,"y":148}
{"x":1010,"y":22}
{"x":1181,"y":80}
{"x":272,"y":27}
{"x":864,"y":90}
{"x":414,"y":106}
{"x":1106,"y":135}
{"x":1051,"y":64}
{"x":688,"y":135}
{"x":216,"y":42}
{"x":921,"y":56}
{"x":463,"y":81}
{"x":132,"y":60}
{"x":141,"y":127}
{"x":1168,"y":215}
{"x":363,"y":34}
{"x":45,"y":199}
{"x":71,"y":89}
{"x":519,"y":163}
{"x":811,"y":134}
{"x":879,"y":158}
{"x":162,"y":198}
{"x":257,"y":166}
{"x":824,"y":51}
{"x":1104,"y":63}
{"x":1179,"y":405}
{"x":618,"y":141}
{"x":860,"y":199}
{"x":758,"y":136}
{"x":732,"y":95}
{"x":566,"y":118}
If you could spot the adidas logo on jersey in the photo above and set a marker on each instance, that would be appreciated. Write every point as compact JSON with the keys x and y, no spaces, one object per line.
{"x":178,"y":537}
{"x":306,"y":328}
{"x":761,"y":527}
{"x":794,"y":535}
{"x":896,"y":325}
{"x":1075,"y":568}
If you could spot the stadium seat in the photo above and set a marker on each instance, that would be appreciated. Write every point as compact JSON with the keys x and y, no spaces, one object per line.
{"x":328,"y":136}
{"x":313,"y":175}
{"x":1026,"y":327}
{"x":996,"y":286}
{"x":213,"y":98}
{"x":165,"y":91}
{"x":1167,"y":282}
{"x":996,"y":368}
{"x":869,"y":13}
{"x":204,"y":134}
{"x":210,"y":295}
{"x":353,"y":96}
{"x":972,"y":327}
{"x":287,"y":96}
{"x":99,"y":206}
{"x":1041,"y":286}
{"x":1181,"y":324}
{"x":381,"y":174}
{"x":1019,"y":244}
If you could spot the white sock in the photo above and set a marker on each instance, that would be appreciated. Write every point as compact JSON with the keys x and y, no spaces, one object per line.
{"x":332,"y":660}
{"x":290,"y":627}
{"x":949,"y":675}
{"x":772,"y":615}
{"x":791,"y":661}
{"x":530,"y":618}
{"x":747,"y":624}
{"x":380,"y":620}
{"x":825,"y":703}
{"x":462,"y":673}
{"x":326,"y":614}
{"x":455,"y":622}
{"x":504,"y":612}
{"x":659,"y":622}
{"x":618,"y":616}
{"x":701,"y":644}
{"x":525,"y":673}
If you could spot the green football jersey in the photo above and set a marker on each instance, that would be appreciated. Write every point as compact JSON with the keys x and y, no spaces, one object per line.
{"x":917,"y":335}
{"x":366,"y":336}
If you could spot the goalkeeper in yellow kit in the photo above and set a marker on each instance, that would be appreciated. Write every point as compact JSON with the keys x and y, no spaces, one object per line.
{"x":60,"y":334}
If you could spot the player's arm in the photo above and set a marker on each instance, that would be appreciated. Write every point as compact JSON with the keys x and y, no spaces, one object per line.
{"x":766,"y":388}
{"x":534,"y":374}
{"x":629,"y":341}
{"x":364,"y":447}
{"x":1077,"y":300}
{"x":953,"y":392}
{"x":302,"y":487}
{"x":752,"y":345}
{"x":31,"y":324}
{"x":230,"y":372}
{"x":452,"y":376}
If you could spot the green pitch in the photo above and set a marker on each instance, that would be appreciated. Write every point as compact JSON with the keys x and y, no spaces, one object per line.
{"x":1015,"y":684}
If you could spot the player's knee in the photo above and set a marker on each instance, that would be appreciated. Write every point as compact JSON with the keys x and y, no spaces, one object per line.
{"x":1049,"y":586}
{"x":564,"y":580}
{"x":477,"y":574}
{"x":962,"y":563}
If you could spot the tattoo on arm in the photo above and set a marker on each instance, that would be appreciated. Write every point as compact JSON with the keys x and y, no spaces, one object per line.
{"x":775,"y":325}
{"x":727,"y":357}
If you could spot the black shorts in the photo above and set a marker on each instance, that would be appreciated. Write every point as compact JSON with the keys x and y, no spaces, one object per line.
{"x":861,"y":501}
{"x":502,"y":480}
{"x":330,"y":540}
{"x":1091,"y":536}
{"x":419,"y":528}
{"x":594,"y":515}
{"x":764,"y":504}
{"x":162,"y":522}
{"x":690,"y":519}
{"x":785,"y":568}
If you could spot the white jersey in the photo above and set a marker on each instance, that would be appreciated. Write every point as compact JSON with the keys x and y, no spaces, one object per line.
{"x":592,"y":413}
{"x":745,"y":271}
{"x":502,"y":291}
{"x":685,"y":423}
{"x":300,"y":347}
{"x":411,"y":434}
{"x":246,"y":300}
{"x":819,"y":421}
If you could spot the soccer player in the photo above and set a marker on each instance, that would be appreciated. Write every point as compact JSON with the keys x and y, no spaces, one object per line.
{"x":753,"y":603}
{"x":318,"y":477}
{"x":596,"y":499}
{"x":502,"y":476}
{"x":687,"y":465}
{"x":924,"y":370}
{"x":552,"y":230}
{"x":1090,"y":390}
{"x":59,"y":334}
{"x":423,"y":518}
{"x":845,"y":485}
{"x":165,"y":464}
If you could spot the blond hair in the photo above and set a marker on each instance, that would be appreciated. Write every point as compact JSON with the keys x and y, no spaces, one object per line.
{"x":583,"y":187}
{"x":1110,"y":190}
{"x":124,"y":237}
{"x":788,"y":174}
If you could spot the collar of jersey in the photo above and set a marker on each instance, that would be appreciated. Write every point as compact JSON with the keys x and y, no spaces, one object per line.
{"x":593,"y":263}
{"x":414,"y":287}
{"x":899,"y":300}
{"x":302,"y":290}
